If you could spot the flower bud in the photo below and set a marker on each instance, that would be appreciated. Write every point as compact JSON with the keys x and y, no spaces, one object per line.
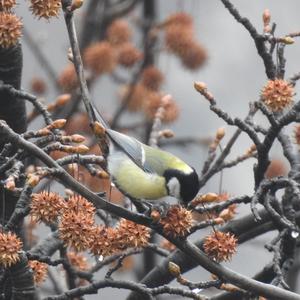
{"x":43,"y":132}
{"x":174,"y":269}
{"x":200,"y":86}
{"x":63,"y":99}
{"x":167,"y":133}
{"x":10,"y":183}
{"x":58,"y":124}
{"x":82,"y":149}
{"x":266,"y":16}
{"x":220,"y":133}
{"x":76,"y":4}
{"x":209,"y":197}
{"x":102,"y":174}
{"x":33,"y":180}
{"x":98,"y":129}
{"x":287,"y":40}
{"x":77,"y":138}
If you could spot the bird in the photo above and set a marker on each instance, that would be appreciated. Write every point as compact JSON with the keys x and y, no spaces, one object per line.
{"x":142,"y":172}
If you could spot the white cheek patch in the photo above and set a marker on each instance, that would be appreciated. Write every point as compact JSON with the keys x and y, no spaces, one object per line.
{"x":174,"y":187}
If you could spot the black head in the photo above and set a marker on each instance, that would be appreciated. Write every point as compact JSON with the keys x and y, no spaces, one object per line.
{"x":181,"y":185}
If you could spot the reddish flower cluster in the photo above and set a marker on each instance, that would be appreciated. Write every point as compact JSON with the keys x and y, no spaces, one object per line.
{"x":276,"y":168}
{"x":67,"y":79}
{"x":148,"y":101}
{"x":118,"y":32}
{"x":100,"y":58}
{"x":103,"y":57}
{"x":152,"y":78}
{"x":128,"y":55}
{"x":179,"y":38}
{"x":38,"y":86}
{"x":171,"y":109}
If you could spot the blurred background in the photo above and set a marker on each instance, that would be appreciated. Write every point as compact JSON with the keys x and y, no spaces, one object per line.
{"x":233,"y":72}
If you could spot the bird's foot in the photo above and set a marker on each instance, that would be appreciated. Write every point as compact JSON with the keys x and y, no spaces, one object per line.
{"x":101,"y":194}
{"x":140,"y":205}
{"x":156,"y":211}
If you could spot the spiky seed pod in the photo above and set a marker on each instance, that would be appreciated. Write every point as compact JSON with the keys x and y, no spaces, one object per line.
{"x":75,"y":229}
{"x":118,"y":32}
{"x":10,"y":29}
{"x":180,"y":18}
{"x":68,"y":79}
{"x":40,"y":271}
{"x":171,"y":109}
{"x":178,"y":39}
{"x":177,"y":222}
{"x":10,"y":246}
{"x":132,"y":234}
{"x":152,"y":78}
{"x":277,"y":94}
{"x":105,"y":242}
{"x":276,"y":168}
{"x":78,"y":261}
{"x":138,"y":96}
{"x":194,"y":57}
{"x":100,"y":58}
{"x":77,"y":203}
{"x":46,"y":207}
{"x":45,"y":8}
{"x":7,"y":5}
{"x":38,"y":86}
{"x":128,"y":55}
{"x":220,"y":246}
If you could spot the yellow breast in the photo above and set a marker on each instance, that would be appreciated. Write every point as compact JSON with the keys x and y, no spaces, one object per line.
{"x":136,"y":183}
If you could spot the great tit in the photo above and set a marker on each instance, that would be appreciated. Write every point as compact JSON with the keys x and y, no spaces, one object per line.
{"x":143,"y":172}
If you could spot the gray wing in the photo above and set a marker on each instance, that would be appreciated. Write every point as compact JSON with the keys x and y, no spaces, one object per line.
{"x":132,"y":147}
